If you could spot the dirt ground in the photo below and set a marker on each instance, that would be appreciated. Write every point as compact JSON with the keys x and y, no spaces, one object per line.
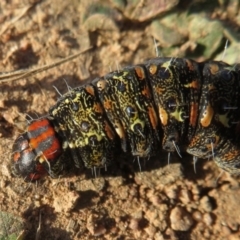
{"x":161,"y":202}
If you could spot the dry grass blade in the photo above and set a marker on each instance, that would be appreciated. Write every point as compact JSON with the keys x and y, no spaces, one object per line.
{"x":37,"y":237}
{"x":23,"y":73}
{"x":14,"y":20}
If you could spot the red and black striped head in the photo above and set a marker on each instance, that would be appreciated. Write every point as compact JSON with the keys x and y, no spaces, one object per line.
{"x":36,"y":150}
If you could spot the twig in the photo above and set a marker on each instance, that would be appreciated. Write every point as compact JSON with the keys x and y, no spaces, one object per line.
{"x":14,"y":20}
{"x":23,"y":73}
{"x":39,"y":226}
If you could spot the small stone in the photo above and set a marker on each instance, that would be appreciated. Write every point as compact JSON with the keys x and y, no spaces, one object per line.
{"x":201,"y":227}
{"x":95,"y":226}
{"x":156,"y":200}
{"x":133,"y":192}
{"x":151,"y":214}
{"x":134,"y":224}
{"x":138,"y":215}
{"x":185,"y":196}
{"x":161,"y":225}
{"x":122,"y":226}
{"x":207,"y":219}
{"x":206,"y":234}
{"x":197,"y":216}
{"x":195,"y":197}
{"x":180,"y":219}
{"x":158,"y":236}
{"x":37,"y":196}
{"x":150,"y":230}
{"x":37,"y":203}
{"x":3,"y":183}
{"x":171,"y":234}
{"x":72,"y":226}
{"x":196,"y":190}
{"x":171,"y":193}
{"x":98,"y":183}
{"x":205,"y":204}
{"x":139,"y":235}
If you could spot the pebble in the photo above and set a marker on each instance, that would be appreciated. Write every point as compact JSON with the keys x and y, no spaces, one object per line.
{"x":171,"y":193}
{"x":180,"y":219}
{"x":205,"y":204}
{"x":201,"y":227}
{"x":3,"y":183}
{"x":158,"y":236}
{"x":151,"y":213}
{"x":207,"y":219}
{"x":133,"y":192}
{"x":94,"y":226}
{"x":134,"y":224}
{"x":150,"y":230}
{"x":196,"y":190}
{"x":185,"y":196}
{"x":197,"y":216}
{"x":161,"y":225}
{"x":37,"y":196}
{"x":156,"y":200}
{"x":195,"y":197}
{"x":206,"y":234}
{"x":138,"y":215}
{"x":37,"y":203}
{"x":171,"y":234}
{"x":72,"y":226}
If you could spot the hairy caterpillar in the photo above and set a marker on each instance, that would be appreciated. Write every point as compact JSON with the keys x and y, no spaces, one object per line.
{"x":171,"y":103}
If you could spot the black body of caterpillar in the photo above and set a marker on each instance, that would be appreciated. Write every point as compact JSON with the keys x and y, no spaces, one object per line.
{"x":195,"y":105}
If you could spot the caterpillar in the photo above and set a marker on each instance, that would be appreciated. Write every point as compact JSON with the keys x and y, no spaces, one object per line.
{"x":176,"y":104}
